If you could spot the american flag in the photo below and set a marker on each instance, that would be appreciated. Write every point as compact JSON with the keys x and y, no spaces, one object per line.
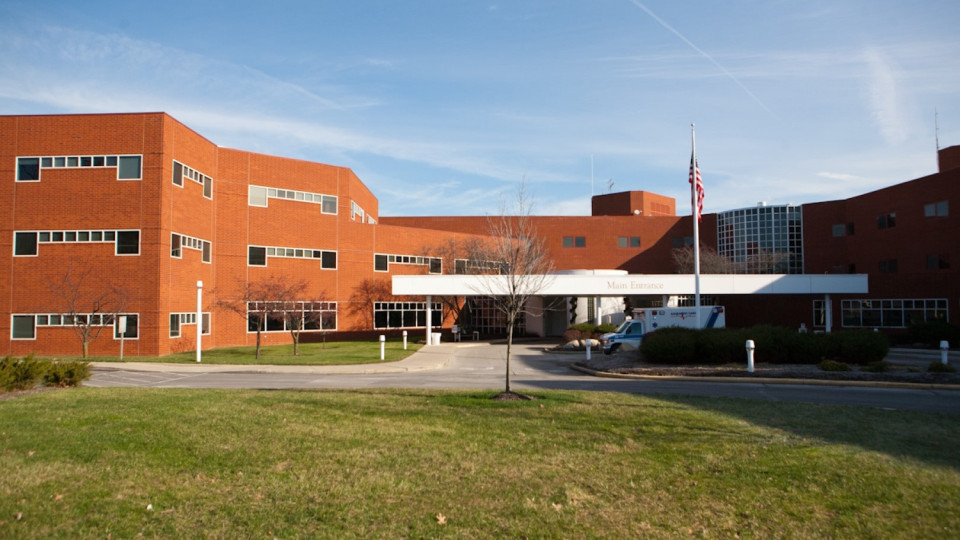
{"x":697,"y":184}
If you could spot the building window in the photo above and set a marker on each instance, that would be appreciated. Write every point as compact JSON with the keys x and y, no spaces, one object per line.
{"x":356,"y":211}
{"x":328,"y":260}
{"x":181,"y":171}
{"x":177,"y":174}
{"x":887,"y":221}
{"x":28,"y":169}
{"x":23,"y":327}
{"x":279,"y":316}
{"x":819,"y":313}
{"x":937,"y":209}
{"x":257,"y":256}
{"x":128,"y":243}
{"x":888,"y":266}
{"x":25,"y":244}
{"x":382,"y":262}
{"x":839,"y":230}
{"x":131,"y":329}
{"x":259,"y":196}
{"x":628,"y":241}
{"x":179,"y":320}
{"x":574,"y":241}
{"x":892,"y":313}
{"x":128,"y":167}
{"x":405,"y":315}
{"x":180,"y":241}
{"x":938,"y":262}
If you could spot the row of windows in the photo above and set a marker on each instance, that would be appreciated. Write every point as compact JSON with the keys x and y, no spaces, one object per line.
{"x":891,"y":313}
{"x":30,"y":168}
{"x":286,"y":316}
{"x":574,"y":241}
{"x":465,"y":266}
{"x":178,"y":320}
{"x":180,"y":241}
{"x":405,"y":315}
{"x":24,"y":326}
{"x":356,"y":211}
{"x":25,"y":243}
{"x":628,"y":241}
{"x":259,"y":196}
{"x":887,"y":221}
{"x":181,"y":171}
{"x":382,"y":262}
{"x":257,"y":255}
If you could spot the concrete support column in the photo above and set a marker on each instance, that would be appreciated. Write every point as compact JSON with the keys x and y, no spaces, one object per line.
{"x":828,"y":313}
{"x":429,"y":320}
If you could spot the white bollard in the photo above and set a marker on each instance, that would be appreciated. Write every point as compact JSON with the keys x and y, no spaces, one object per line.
{"x":944,"y":350}
{"x":404,"y":340}
{"x":750,"y":348}
{"x":383,"y":344}
{"x":589,"y":346}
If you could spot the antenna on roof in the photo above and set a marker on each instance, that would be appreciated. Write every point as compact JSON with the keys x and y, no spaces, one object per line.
{"x":610,"y":185}
{"x":936,"y":128}
{"x":591,"y":176}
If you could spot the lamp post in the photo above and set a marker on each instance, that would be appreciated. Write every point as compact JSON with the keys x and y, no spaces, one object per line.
{"x":199,"y":319}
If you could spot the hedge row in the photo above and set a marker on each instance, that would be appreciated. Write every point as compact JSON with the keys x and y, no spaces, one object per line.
{"x":774,"y":345}
{"x":26,"y":373}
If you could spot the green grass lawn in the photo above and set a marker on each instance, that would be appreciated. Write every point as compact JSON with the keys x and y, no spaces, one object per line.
{"x":334,"y":352}
{"x":165,"y":463}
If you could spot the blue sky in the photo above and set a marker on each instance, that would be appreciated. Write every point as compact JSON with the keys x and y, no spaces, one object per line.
{"x":443,"y":106}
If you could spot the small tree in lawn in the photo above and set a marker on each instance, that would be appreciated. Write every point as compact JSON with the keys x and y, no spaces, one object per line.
{"x":299,"y":316}
{"x":265,"y":302}
{"x":88,"y":304}
{"x":524,"y":268}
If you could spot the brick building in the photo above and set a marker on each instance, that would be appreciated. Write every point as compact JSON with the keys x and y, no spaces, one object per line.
{"x":122,"y":214}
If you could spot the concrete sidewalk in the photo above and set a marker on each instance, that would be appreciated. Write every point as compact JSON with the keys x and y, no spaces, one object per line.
{"x":427,"y":358}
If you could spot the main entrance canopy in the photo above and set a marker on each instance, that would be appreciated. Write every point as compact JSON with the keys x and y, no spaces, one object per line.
{"x":618,"y":284}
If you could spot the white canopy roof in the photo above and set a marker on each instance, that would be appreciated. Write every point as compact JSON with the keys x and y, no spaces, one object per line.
{"x":617,"y":284}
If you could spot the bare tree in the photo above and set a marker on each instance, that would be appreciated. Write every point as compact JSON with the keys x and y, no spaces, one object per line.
{"x":269,"y":303}
{"x":711,"y":262}
{"x":303,"y":315}
{"x":524,"y":267}
{"x":456,"y":255}
{"x":87,"y":304}
{"x":364,"y":295}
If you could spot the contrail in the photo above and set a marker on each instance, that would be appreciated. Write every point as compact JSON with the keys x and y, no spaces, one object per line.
{"x":725,"y":71}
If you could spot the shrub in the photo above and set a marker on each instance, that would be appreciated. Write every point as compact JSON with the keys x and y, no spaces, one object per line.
{"x":862,"y":346}
{"x":670,"y":346}
{"x":931,"y":333}
{"x":877,"y":367}
{"x":19,"y":373}
{"x":939,"y":367}
{"x":66,"y":373}
{"x":720,"y":346}
{"x":606,"y":328}
{"x":833,"y":365}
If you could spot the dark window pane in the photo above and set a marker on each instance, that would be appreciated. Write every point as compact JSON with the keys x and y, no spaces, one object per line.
{"x":174,"y":325}
{"x":580,"y":241}
{"x":131,"y":332}
{"x":177,"y":174}
{"x":28,"y":169}
{"x":206,"y":252}
{"x":128,"y":242}
{"x":98,"y":161}
{"x":208,"y":187}
{"x":23,"y":327}
{"x":85,"y":161}
{"x":257,"y":256}
{"x":128,"y":168}
{"x":380,"y":263}
{"x":329,"y":260}
{"x":111,"y":161}
{"x":436,"y":266}
{"x":25,"y":243}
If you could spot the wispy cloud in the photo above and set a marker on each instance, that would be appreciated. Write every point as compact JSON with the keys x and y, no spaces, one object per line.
{"x":883,"y":92}
{"x":703,"y":53}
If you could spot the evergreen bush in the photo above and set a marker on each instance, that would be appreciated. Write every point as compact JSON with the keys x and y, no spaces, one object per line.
{"x":19,"y":373}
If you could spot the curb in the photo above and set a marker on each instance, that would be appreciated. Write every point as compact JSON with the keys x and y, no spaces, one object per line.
{"x":767,"y":380}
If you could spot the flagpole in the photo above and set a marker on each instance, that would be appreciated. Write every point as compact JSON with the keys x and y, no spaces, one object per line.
{"x":694,"y":172}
